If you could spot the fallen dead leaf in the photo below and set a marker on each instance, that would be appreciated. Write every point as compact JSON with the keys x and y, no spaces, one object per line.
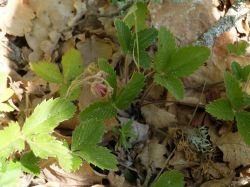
{"x":152,"y":155}
{"x":217,"y":183}
{"x":235,"y":151}
{"x":158,"y":117}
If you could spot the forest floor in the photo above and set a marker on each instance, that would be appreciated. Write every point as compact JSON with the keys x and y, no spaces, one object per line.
{"x":167,"y":133}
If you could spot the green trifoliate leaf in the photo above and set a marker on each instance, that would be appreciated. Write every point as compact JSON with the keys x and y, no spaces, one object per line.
{"x":72,"y":64}
{"x":98,"y":111}
{"x":233,"y":90}
{"x":29,"y":163}
{"x":186,"y":60}
{"x":6,"y":107}
{"x":166,"y":47}
{"x":88,"y":133}
{"x":45,"y":146}
{"x":137,"y":16}
{"x":47,"y":71}
{"x":11,"y":140}
{"x":243,"y":125}
{"x":170,"y":179}
{"x":9,"y":177}
{"x":172,"y":84}
{"x":5,"y":94}
{"x":221,"y":109}
{"x":48,"y":115}
{"x":238,"y":48}
{"x":239,"y":72}
{"x":146,"y":37}
{"x":124,"y":35}
{"x":99,"y":156}
{"x":111,"y":78}
{"x":130,"y":91}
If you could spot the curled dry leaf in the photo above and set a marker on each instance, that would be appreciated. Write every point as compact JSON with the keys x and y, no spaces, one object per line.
{"x":217,"y":183}
{"x":16,"y":18}
{"x":158,"y":117}
{"x":152,"y":155}
{"x":235,"y":151}
{"x":179,"y":162}
{"x":85,"y":176}
{"x":94,"y":48}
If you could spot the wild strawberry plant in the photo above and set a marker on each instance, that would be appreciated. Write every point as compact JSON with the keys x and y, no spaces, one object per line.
{"x":234,"y":106}
{"x":34,"y":140}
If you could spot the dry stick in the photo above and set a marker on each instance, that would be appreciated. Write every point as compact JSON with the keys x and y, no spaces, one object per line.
{"x":235,"y":13}
{"x":166,"y":162}
{"x":197,"y":106}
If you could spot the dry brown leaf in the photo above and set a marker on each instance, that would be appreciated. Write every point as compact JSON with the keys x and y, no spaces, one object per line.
{"x":152,"y":155}
{"x":179,"y":162}
{"x":158,"y":117}
{"x":16,"y":18}
{"x":235,"y":151}
{"x":218,"y":183}
{"x":94,"y":48}
{"x":85,"y":176}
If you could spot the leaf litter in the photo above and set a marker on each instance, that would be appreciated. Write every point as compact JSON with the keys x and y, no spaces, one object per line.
{"x":205,"y":151}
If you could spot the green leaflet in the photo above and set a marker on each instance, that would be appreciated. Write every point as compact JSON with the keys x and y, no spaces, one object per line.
{"x":124,"y":35}
{"x":99,"y":156}
{"x":144,"y":59}
{"x":172,"y":84}
{"x":45,"y":146}
{"x":221,"y":109}
{"x":5,"y":94}
{"x":111,"y":78}
{"x":29,"y":163}
{"x":130,"y":91}
{"x":11,"y":140}
{"x":84,"y":140}
{"x":186,"y":60}
{"x":166,"y":47}
{"x":233,"y":91}
{"x":47,"y":116}
{"x":137,"y":16}
{"x":98,"y":111}
{"x":10,"y":174}
{"x":243,"y":119}
{"x":72,"y":64}
{"x":5,"y":107}
{"x":238,"y":48}
{"x":87,"y":133}
{"x":146,"y":37}
{"x":170,"y":179}
{"x":48,"y":71}
{"x":239,"y":72}
{"x":125,"y":132}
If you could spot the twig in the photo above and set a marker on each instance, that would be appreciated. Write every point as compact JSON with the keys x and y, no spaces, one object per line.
{"x":197,"y":106}
{"x":235,"y":13}
{"x":166,"y":162}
